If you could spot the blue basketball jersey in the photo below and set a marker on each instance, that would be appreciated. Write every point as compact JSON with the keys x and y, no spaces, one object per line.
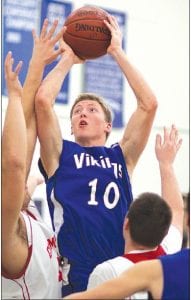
{"x":176,"y":273}
{"x":88,"y":197}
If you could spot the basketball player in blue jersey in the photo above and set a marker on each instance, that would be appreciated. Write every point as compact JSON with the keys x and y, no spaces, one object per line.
{"x":148,"y":230}
{"x":88,"y":184}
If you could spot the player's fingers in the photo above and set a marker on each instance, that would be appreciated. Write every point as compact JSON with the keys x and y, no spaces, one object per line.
{"x":158,"y":141}
{"x":114,"y":22}
{"x":111,"y":21}
{"x":62,"y":44}
{"x":34,"y":35}
{"x":173,"y":133}
{"x":10,"y":65}
{"x":179,"y":144}
{"x":111,"y":25}
{"x":59,"y":35}
{"x":7,"y":62}
{"x":44,"y":28}
{"x":108,"y":24}
{"x":58,"y":52}
{"x":18,"y":67}
{"x":52,"y":29}
{"x":166,"y":134}
{"x":8,"y":56}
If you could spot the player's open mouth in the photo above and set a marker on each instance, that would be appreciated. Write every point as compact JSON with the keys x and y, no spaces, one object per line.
{"x":83,"y":123}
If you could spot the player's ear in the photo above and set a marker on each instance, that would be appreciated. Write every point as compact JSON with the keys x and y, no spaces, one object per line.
{"x":125,"y":227}
{"x":108,"y":127}
{"x":125,"y":223}
{"x":71,"y":130}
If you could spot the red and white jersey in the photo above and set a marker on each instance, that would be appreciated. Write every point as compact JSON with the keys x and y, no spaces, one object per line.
{"x":41,"y":277}
{"x":112,"y":268}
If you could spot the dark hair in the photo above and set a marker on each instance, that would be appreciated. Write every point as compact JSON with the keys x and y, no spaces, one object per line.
{"x":149,"y":219}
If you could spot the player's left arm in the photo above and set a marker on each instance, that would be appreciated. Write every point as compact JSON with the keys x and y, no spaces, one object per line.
{"x":137,"y":131}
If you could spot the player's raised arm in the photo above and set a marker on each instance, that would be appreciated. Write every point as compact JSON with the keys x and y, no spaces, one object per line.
{"x":14,"y":151}
{"x":166,"y":151}
{"x":139,"y":125}
{"x":44,"y":52}
{"x":49,"y":132}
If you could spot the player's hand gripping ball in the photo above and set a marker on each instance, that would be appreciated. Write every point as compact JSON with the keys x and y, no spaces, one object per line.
{"x":86,"y":33}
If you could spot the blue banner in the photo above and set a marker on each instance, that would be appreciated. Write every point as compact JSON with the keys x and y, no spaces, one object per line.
{"x":104,"y":77}
{"x":19,"y":18}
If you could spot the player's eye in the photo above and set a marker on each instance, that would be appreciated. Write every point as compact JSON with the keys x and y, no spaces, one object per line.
{"x":77,"y":111}
{"x":92,"y":109}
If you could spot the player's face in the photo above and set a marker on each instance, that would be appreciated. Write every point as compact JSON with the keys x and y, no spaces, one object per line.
{"x":88,"y":123}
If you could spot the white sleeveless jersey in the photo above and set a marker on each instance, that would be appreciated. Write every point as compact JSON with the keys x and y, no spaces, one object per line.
{"x":112,"y":268}
{"x":41,"y":277}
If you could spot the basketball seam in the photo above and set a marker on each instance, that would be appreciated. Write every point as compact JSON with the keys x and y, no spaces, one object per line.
{"x":76,"y":20}
{"x":82,"y":38}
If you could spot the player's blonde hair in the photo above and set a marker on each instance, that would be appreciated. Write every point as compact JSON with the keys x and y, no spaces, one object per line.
{"x":89,"y":96}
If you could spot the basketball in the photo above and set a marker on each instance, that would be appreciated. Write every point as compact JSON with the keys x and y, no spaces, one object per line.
{"x":86,"y":32}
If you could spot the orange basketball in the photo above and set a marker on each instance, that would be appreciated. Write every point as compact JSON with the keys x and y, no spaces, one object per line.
{"x":86,"y":32}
